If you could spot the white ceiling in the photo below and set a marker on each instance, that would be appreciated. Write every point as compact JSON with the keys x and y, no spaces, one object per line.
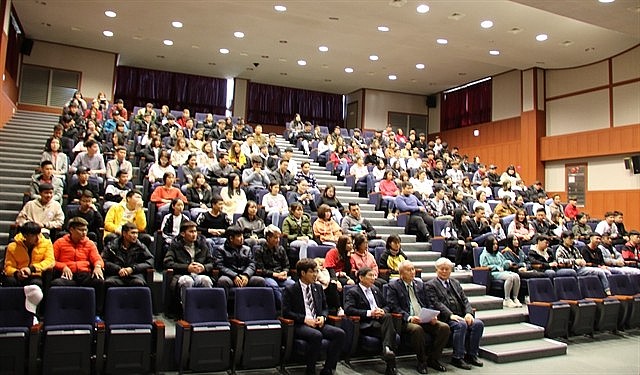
{"x":580,"y":32}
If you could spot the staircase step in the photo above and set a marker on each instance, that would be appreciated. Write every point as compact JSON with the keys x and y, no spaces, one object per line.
{"x":471,"y":289}
{"x":426,"y":266}
{"x":523,"y":350}
{"x":15,"y":172}
{"x":461,"y":276}
{"x":6,"y":224}
{"x":388,"y":229}
{"x":4,"y":239}
{"x":502,"y":315}
{"x":405,"y":238}
{"x":421,"y":254}
{"x":15,"y":188}
{"x":7,"y":195}
{"x":11,"y":205}
{"x":485,"y":302}
{"x":504,"y":333}
{"x":32,"y":137}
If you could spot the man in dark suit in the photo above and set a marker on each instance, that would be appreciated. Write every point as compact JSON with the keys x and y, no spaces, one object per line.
{"x":365,"y":300}
{"x":403,"y":302}
{"x":446,"y":295}
{"x":304,"y":302}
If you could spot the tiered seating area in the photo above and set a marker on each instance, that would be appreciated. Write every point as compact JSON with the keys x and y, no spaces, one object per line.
{"x":508,"y":336}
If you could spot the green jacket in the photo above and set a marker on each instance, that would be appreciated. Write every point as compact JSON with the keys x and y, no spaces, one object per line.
{"x":292,"y":230}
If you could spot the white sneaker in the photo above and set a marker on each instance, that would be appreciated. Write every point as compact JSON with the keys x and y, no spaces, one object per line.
{"x":458,"y":268}
{"x":340,"y":311}
{"x":508,"y":303}
{"x":517,"y":302}
{"x":391,"y":216}
{"x":527,"y":300}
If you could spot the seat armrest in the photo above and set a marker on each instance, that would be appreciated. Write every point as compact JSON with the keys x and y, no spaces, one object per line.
{"x":287,"y":340}
{"x":184,"y":327}
{"x":570,"y":302}
{"x":158,"y":339}
{"x":149,"y":276}
{"x":539,"y":304}
{"x":100,"y":343}
{"x":34,"y":340}
{"x":237,"y":339}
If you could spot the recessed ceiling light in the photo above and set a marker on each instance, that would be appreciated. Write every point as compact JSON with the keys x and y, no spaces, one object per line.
{"x":494,"y":52}
{"x":160,"y":56}
{"x":107,"y":33}
{"x":223,"y":51}
{"x":606,"y":1}
{"x":323,"y":48}
{"x":419,"y":66}
{"x":136,"y":37}
{"x":486,"y":24}
{"x":422,"y":8}
{"x":515,"y":30}
{"x":325,"y":66}
{"x":384,"y":29}
{"x":348,"y":70}
{"x":280,"y":8}
{"x":442,"y":41}
{"x":243,"y":53}
{"x":542,"y":37}
{"x":176,"y":24}
{"x":167,"y":42}
{"x":302,"y":62}
{"x":110,"y":14}
{"x":238,"y":34}
{"x":373,"y":58}
{"x":282,"y":60}
{"x":195,"y":46}
{"x":75,"y":28}
{"x":392,"y":77}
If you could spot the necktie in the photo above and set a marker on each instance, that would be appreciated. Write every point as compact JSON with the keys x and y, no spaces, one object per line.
{"x":415,"y":305}
{"x":310,"y":303}
{"x":447,"y":284}
{"x":371,"y":299}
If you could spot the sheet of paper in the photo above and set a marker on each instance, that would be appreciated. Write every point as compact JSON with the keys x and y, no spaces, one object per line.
{"x":427,"y":315}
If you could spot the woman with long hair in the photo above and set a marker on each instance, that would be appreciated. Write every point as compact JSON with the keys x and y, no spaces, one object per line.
{"x":458,"y":236}
{"x":236,"y":157}
{"x":53,"y":152}
{"x":499,"y":267}
{"x":338,"y":261}
{"x":180,"y":153}
{"x":518,"y":261}
{"x":189,"y":169}
{"x":521,"y":228}
{"x":389,"y":191}
{"x":163,"y":166}
{"x":324,"y":228}
{"x":252,"y":225}
{"x":392,"y":256}
{"x":233,"y":196}
{"x":275,"y":204}
{"x":505,"y":207}
{"x":329,"y":198}
{"x":199,"y":195}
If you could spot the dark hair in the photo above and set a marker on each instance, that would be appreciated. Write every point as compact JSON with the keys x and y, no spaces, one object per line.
{"x":326,"y":189}
{"x":233,"y":230}
{"x":542,"y":237}
{"x":294,"y":206}
{"x":30,"y":227}
{"x":272,"y":184}
{"x":580,"y":215}
{"x":87,"y":194}
{"x":127,"y":227}
{"x":76,"y":222}
{"x":358,"y":240}
{"x":45,"y":163}
{"x":89,"y":143}
{"x":362,"y":272}
{"x":186,"y":225}
{"x":230,"y":189}
{"x":488,"y":244}
{"x":305,"y":264}
{"x":322,"y":210}
{"x":541,"y":209}
{"x":172,"y":206}
{"x":392,"y":238}
{"x":167,"y":175}
{"x":133,"y":192}
{"x":215,"y":199}
{"x":245,"y":213}
{"x":478,"y":209}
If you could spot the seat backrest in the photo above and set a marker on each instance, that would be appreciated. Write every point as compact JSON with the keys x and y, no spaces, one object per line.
{"x":130,"y":305}
{"x":476,"y":255}
{"x":438,"y":226}
{"x":205,"y":305}
{"x":319,"y":251}
{"x":255,"y":303}
{"x":12,"y":310}
{"x":590,"y":287}
{"x":620,"y":284}
{"x":567,"y":288}
{"x":635,"y":280}
{"x":541,"y":290}
{"x":70,"y":305}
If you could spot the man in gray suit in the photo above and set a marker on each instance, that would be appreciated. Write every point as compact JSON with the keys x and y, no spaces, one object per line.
{"x":407,"y":296}
{"x":446,"y":295}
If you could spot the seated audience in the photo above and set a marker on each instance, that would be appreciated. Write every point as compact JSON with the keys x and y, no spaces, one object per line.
{"x":163,"y":194}
{"x":130,"y":210}
{"x":297,"y":228}
{"x":499,"y":267}
{"x":273,"y":263}
{"x":117,"y":190}
{"x":47,"y":176}
{"x":325,"y":229}
{"x":28,"y":256}
{"x":234,"y":197}
{"x":614,"y":258}
{"x":361,"y":258}
{"x":126,"y":260}
{"x":88,"y":211}
{"x":275,"y":204}
{"x":43,"y":211}
{"x":419,"y":223}
{"x":569,"y":256}
{"x":252,"y":225}
{"x":120,"y":163}
{"x":236,"y":262}
{"x":199,"y":195}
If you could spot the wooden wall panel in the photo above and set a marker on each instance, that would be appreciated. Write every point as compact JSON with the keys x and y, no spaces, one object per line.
{"x":40,"y":108}
{"x":601,"y":142}
{"x":491,"y":133}
{"x":598,"y":202}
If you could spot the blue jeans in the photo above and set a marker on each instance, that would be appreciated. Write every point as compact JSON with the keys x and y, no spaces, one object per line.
{"x":276,"y":285}
{"x":466,"y":339}
{"x":561,"y":272}
{"x":601,"y":273}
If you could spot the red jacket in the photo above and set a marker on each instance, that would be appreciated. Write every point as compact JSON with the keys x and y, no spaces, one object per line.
{"x":630,"y":251}
{"x":80,"y":257}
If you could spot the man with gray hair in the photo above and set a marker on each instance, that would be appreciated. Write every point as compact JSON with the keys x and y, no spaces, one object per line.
{"x":407,"y":296}
{"x":446,"y":295}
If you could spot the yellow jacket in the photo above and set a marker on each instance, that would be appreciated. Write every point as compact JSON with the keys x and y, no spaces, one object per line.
{"x":115,"y":219}
{"x":17,"y":256}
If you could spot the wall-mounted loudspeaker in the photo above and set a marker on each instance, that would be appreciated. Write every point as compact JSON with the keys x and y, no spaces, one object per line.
{"x":432,"y":101}
{"x":635,"y":162}
{"x":26,"y":47}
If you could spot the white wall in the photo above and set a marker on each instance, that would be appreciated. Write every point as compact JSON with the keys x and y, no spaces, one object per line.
{"x":578,"y":113}
{"x":379,"y":103}
{"x":565,"y":81}
{"x":240,"y":97}
{"x":626,"y":66}
{"x":97,"y":67}
{"x":600,"y":174}
{"x":626,"y":104}
{"x":505,"y":95}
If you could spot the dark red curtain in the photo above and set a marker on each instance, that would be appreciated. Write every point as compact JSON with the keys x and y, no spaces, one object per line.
{"x":468,"y":106}
{"x":138,"y":86}
{"x":268,"y":104}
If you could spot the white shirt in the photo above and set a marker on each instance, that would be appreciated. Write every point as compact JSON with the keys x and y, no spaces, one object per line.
{"x":369,"y":295}
{"x":307,"y":310}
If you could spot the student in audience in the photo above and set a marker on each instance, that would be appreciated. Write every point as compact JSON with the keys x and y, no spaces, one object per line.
{"x":190,"y":258}
{"x":236,"y":262}
{"x":324,"y":228}
{"x":273,"y":263}
{"x":90,"y":213}
{"x":80,"y":184}
{"x":329,"y":198}
{"x":303,"y":196}
{"x":117,"y":191}
{"x":126,"y":259}
{"x":555,"y":206}
{"x":613,"y":258}
{"x":130,"y":210}
{"x":46,"y":176}
{"x":297,"y":228}
{"x":119,"y":164}
{"x":479,"y":226}
{"x":275,"y":204}
{"x":510,"y":175}
{"x":255,"y":179}
{"x":283,"y":177}
{"x":59,"y":160}
{"x":363,"y":178}
{"x":78,"y":262}
{"x":196,"y":141}
{"x":457,"y":235}
{"x":446,"y":294}
{"x":252,"y":225}
{"x":92,"y":161}
{"x":43,"y":211}
{"x":180,"y":153}
{"x":581,"y":230}
{"x":171,"y":222}
{"x":499,"y":267}
{"x":619,"y":221}
{"x":518,"y":261}
{"x":389,"y":191}
{"x":420,"y":222}
{"x":362,"y":258}
{"x":28,"y":256}
{"x":545,"y":227}
{"x":569,"y":256}
{"x":308,"y":176}
{"x":481,"y":201}
{"x":521,"y":228}
{"x":234,"y":197}
{"x":506,"y":190}
{"x":354,"y":223}
{"x":220,"y":171}
{"x":189,"y":170}
{"x":206,"y":157}
{"x":213,"y":223}
{"x":306,"y":304}
{"x":439,"y":207}
{"x":237,"y":158}
{"x":505,"y":207}
{"x":631,"y":249}
{"x":571,"y":209}
{"x":163,"y":166}
{"x":392,"y":256}
{"x":164,"y":193}
{"x":198,"y":195}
